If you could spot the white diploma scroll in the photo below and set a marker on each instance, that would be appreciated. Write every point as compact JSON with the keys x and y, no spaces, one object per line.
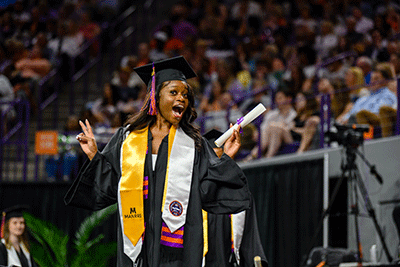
{"x":249,"y":117}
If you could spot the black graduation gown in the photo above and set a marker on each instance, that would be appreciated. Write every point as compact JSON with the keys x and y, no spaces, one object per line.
{"x":219,"y":241}
{"x":218,"y":186}
{"x":4,"y":256}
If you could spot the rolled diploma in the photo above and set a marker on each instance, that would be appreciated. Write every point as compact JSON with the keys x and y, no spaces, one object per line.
{"x":249,"y":117}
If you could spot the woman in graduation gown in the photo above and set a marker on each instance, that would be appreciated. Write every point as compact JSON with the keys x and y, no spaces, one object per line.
{"x":162,"y":174}
{"x":14,"y":245}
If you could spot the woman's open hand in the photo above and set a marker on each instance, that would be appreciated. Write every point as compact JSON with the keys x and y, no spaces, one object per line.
{"x":232,"y":145}
{"x":87,"y":140}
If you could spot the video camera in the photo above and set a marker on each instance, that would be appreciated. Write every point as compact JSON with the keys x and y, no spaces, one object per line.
{"x":348,"y":135}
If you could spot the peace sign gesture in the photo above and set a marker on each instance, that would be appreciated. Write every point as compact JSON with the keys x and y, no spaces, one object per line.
{"x":87,"y":140}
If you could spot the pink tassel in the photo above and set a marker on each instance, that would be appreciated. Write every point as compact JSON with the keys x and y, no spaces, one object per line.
{"x":3,"y":221}
{"x":153,"y":108}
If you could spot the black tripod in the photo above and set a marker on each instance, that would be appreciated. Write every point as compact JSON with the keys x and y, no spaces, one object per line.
{"x":349,"y":166}
{"x":355,"y":180}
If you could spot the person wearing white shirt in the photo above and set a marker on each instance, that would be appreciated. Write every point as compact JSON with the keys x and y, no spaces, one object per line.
{"x":6,"y":95}
{"x":325,"y":42}
{"x":251,"y":8}
{"x":364,"y":24}
{"x":70,"y":43}
{"x":280,"y":117}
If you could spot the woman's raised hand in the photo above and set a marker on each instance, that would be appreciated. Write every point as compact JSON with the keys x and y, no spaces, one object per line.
{"x":87,"y":140}
{"x":232,"y":145}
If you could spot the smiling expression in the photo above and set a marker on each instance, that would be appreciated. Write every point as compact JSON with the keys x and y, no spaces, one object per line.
{"x":16,"y":226}
{"x":173,"y":101}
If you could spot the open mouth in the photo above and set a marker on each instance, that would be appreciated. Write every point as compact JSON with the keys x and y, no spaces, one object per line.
{"x":178,"y":111}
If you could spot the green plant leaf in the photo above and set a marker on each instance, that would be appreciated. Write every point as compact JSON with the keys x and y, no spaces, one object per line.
{"x":101,"y":254}
{"x":94,"y":241}
{"x":80,"y":257}
{"x":41,"y":255}
{"x":82,"y":242}
{"x":50,"y":246}
{"x":83,"y":234}
{"x":53,"y":240}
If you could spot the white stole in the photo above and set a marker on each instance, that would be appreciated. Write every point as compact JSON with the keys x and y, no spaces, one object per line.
{"x":180,"y":170}
{"x":12,"y":256}
{"x":238,"y":221}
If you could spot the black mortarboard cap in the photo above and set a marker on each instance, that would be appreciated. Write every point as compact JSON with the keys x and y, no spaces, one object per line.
{"x":212,"y":135}
{"x":176,"y":68}
{"x":15,"y":211}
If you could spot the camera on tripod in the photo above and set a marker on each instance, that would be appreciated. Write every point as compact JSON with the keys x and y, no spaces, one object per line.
{"x":348,"y":135}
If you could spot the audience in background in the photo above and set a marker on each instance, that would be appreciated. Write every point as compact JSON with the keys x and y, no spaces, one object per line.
{"x":365,"y":64}
{"x":355,"y":83}
{"x":306,"y":122}
{"x":377,"y":50}
{"x":275,"y":123}
{"x":326,"y":41}
{"x":157,"y":51}
{"x":90,"y":30}
{"x":6,"y":95}
{"x":339,"y":95}
{"x":366,"y":110}
{"x":105,"y":110}
{"x":217,"y":106}
{"x":244,"y":52}
{"x":363,"y":23}
{"x":32,"y":64}
{"x":143,"y":54}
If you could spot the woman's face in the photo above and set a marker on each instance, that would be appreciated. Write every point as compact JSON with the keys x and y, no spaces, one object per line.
{"x":377,"y":80}
{"x":173,"y":101}
{"x":16,"y":226}
{"x":300,"y":101}
{"x":281,"y":99}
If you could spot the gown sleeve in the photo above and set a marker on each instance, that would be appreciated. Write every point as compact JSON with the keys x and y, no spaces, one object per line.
{"x":97,"y":183}
{"x":223,"y":186}
{"x":3,"y":254}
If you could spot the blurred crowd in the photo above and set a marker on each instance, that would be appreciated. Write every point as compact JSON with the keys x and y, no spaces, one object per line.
{"x":284,"y":54}
{"x":36,"y":38}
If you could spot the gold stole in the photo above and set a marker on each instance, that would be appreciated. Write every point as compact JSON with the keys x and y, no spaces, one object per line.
{"x":131,"y":186}
{"x":205,"y":232}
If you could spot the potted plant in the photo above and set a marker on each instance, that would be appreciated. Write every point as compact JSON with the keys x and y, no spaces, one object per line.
{"x":50,"y":245}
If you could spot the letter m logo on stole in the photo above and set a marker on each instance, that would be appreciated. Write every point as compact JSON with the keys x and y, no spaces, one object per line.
{"x":133,"y":210}
{"x":132,"y":214}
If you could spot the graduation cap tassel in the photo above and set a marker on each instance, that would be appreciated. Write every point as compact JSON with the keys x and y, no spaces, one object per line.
{"x":3,"y":221}
{"x":153,"y":109}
